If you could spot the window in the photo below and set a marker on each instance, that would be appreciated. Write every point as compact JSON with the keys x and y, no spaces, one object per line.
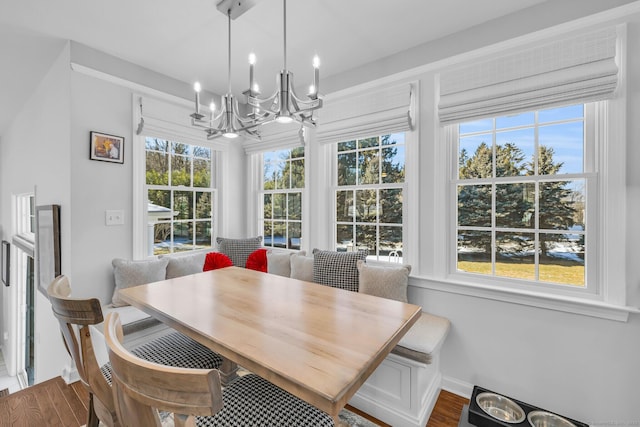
{"x":180,"y":194}
{"x":283,"y":185}
{"x":369,"y":196}
{"x":25,"y":215}
{"x":522,"y":188}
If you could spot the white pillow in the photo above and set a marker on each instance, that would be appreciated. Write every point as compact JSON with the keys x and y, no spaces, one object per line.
{"x":385,"y":282}
{"x":132,"y":273}
{"x":184,"y":264}
{"x":279,"y":262}
{"x":302,"y":267}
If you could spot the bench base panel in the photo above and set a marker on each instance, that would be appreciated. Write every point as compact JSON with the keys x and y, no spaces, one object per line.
{"x":401,"y":392}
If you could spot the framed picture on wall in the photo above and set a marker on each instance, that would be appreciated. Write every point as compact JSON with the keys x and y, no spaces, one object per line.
{"x":47,"y":245}
{"x":6,"y":263}
{"x":106,"y":148}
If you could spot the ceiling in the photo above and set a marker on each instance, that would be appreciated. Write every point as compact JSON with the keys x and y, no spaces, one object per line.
{"x":187,"y":39}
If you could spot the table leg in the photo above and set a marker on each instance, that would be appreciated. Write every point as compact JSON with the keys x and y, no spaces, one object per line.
{"x":337,"y":422}
{"x":228,"y":371}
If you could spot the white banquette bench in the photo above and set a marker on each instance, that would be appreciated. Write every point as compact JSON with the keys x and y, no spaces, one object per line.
{"x":404,"y":388}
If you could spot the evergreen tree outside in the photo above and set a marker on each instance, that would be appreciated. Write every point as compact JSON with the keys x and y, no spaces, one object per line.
{"x":283,"y":182}
{"x":370,"y":177}
{"x":171,"y":164}
{"x":495,"y":204}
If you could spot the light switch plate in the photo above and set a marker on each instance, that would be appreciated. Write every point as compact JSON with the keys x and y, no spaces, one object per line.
{"x":114,"y":217}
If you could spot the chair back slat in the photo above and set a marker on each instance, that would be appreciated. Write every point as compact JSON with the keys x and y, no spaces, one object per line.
{"x":140,"y":384}
{"x":75,"y":316}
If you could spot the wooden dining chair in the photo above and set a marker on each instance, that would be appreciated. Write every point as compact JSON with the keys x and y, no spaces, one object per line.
{"x":195,"y":396}
{"x":76,"y":315}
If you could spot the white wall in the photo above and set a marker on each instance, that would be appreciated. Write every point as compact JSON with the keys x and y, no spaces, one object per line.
{"x":106,"y":106}
{"x":35,"y":154}
{"x":48,"y":146}
{"x":583,"y":367}
{"x":98,"y":186}
{"x":580,"y":366}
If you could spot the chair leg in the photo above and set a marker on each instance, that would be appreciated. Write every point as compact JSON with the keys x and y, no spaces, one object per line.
{"x":92,"y":418}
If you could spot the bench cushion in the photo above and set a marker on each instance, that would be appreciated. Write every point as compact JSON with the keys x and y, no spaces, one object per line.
{"x":424,"y":337}
{"x":174,"y":349}
{"x":253,"y":401}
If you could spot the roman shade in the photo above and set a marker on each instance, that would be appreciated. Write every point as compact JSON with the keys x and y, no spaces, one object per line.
{"x":378,"y":111}
{"x":575,"y":69}
{"x":165,"y":119}
{"x":275,"y":136}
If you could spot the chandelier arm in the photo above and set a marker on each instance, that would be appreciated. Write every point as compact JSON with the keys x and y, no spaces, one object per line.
{"x":310,"y":104}
{"x":259,"y":101}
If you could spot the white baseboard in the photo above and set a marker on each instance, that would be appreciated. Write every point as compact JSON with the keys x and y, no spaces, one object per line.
{"x":456,"y":386}
{"x":70,"y":373}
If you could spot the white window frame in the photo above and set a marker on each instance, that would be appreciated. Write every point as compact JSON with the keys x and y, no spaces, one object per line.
{"x":175,"y":188}
{"x":590,"y":175}
{"x":302,"y":190}
{"x":162,"y":120}
{"x":406,"y":248}
{"x":609,"y":301}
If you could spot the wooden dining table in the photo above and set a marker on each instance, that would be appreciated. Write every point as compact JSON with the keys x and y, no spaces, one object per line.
{"x":317,"y":342}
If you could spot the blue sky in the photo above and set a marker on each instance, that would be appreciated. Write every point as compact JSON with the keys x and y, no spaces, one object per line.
{"x":566,"y":138}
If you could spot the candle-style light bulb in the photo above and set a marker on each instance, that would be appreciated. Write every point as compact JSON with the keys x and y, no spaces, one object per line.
{"x":197,"y":88}
{"x":212,"y":107}
{"x":316,"y":76}
{"x":252,"y":62}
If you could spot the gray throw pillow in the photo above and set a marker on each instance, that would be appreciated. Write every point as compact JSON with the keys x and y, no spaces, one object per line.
{"x":302,"y":267}
{"x":184,"y":264}
{"x":386,"y":282}
{"x":279,"y":262}
{"x":337,"y":269}
{"x":132,"y":273}
{"x":238,"y":249}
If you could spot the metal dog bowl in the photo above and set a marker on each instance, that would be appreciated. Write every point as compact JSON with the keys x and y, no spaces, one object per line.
{"x":547,"y":419}
{"x":502,"y":408}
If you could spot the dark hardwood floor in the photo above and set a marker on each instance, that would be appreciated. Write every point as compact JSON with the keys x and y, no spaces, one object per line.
{"x":54,"y":403}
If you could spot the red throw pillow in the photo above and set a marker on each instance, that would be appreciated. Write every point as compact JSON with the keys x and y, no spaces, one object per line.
{"x":257,"y":260}
{"x":215,"y":260}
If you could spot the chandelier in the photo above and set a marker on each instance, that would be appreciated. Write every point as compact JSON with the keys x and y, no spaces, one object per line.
{"x":284,"y":106}
{"x":227,"y":122}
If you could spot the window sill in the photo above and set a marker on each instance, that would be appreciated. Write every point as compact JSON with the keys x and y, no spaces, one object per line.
{"x":573,"y":305}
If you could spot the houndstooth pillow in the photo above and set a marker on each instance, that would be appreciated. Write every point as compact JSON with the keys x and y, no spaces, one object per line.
{"x":337,"y":269}
{"x":238,"y":249}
